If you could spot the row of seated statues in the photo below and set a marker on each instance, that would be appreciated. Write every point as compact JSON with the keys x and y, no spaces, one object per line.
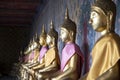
{"x":42,"y":61}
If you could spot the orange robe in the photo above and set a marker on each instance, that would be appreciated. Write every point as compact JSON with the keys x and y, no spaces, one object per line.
{"x":105,"y":54}
{"x":51,"y":55}
{"x":36,"y":55}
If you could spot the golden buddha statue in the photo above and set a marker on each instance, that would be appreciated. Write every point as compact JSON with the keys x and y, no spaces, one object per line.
{"x":32,"y":52}
{"x":28,"y":49}
{"x":72,"y":58}
{"x":52,"y":56}
{"x":42,"y":42}
{"x":27,"y":54}
{"x":26,"y":60}
{"x":21,"y":58}
{"x":106,"y":51}
{"x":33,"y":57}
{"x":50,"y":60}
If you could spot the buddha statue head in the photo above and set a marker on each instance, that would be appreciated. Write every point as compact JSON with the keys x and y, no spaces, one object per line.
{"x":35,"y":44}
{"x":29,"y":46}
{"x":52,"y":36}
{"x":32,"y":46}
{"x":36,"y":38}
{"x":68,"y":29}
{"x":103,"y":14}
{"x":42,"y":38}
{"x":28,"y":49}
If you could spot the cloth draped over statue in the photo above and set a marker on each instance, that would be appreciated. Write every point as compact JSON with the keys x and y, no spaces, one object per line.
{"x":42,"y":52}
{"x":105,"y":54}
{"x":69,"y":50}
{"x":51,"y":55}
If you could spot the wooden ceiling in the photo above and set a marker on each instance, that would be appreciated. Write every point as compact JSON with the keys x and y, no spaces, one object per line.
{"x":18,"y":12}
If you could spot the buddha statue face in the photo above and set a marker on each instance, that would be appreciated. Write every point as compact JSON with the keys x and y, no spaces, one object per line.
{"x":29,"y":48}
{"x":103,"y":14}
{"x":35,"y":45}
{"x":49,"y":40}
{"x":98,"y":20}
{"x":42,"y":41}
{"x":52,"y":36}
{"x":64,"y":35}
{"x":32,"y":47}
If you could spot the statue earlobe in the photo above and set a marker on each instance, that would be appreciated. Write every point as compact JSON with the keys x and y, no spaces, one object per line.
{"x":44,"y":40}
{"x":110,"y":15}
{"x":109,"y":21}
{"x":71,"y":35}
{"x":53,"y":40}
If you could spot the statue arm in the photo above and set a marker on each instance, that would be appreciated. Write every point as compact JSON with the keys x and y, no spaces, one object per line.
{"x":41,"y":65}
{"x":33,"y":65}
{"x":36,"y":56}
{"x":50,"y":67}
{"x":35,"y":62}
{"x":71,"y":70}
{"x":111,"y":74}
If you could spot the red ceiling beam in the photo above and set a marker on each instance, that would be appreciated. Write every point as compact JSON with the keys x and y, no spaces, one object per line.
{"x":15,"y":25}
{"x":20,"y":0}
{"x":15,"y":16}
{"x":16,"y":5}
{"x":13,"y":22}
{"x":20,"y":10}
{"x":15,"y":12}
